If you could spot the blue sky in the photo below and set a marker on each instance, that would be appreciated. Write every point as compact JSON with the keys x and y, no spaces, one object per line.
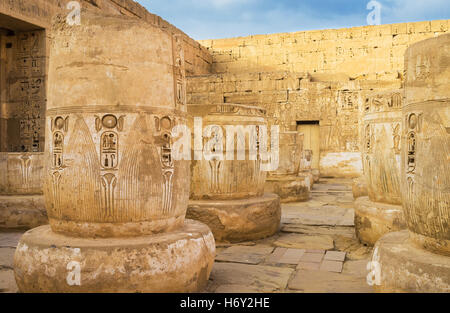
{"x":209,"y":19}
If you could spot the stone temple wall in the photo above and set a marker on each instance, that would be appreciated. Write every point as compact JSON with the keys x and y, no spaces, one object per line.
{"x":369,"y":52}
{"x":290,"y":98}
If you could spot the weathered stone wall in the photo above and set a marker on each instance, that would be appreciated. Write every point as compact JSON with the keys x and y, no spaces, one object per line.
{"x":370,"y":52}
{"x":291,"y":97}
{"x":39,"y":12}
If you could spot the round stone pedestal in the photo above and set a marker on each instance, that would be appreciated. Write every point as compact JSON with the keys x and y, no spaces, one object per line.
{"x":290,"y":188}
{"x":177,"y":261}
{"x":404,"y":267}
{"x":22,"y":212}
{"x":373,"y":220}
{"x":238,"y":220}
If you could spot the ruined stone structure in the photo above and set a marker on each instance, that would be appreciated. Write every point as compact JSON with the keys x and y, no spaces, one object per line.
{"x":418,"y":260}
{"x":227,"y":189}
{"x":115,"y":196}
{"x":381,"y":211}
{"x":86,"y":113}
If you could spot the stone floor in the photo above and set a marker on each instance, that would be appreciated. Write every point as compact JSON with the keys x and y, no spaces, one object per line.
{"x":316,"y":251}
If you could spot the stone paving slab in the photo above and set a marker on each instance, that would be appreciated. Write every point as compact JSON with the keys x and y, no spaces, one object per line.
{"x":264,"y":277}
{"x":286,"y":256}
{"x":10,"y":240}
{"x":335,"y":256}
{"x":7,"y":282}
{"x":238,"y":289}
{"x":298,"y":241}
{"x":7,"y":258}
{"x":357,"y":268}
{"x":327,"y":282}
{"x":332,"y":266}
{"x":244,"y":254}
{"x":308,"y":266}
{"x":348,"y":232}
{"x":325,"y":216}
{"x":311,"y":257}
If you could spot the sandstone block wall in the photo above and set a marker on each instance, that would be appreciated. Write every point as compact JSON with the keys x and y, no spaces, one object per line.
{"x":369,"y":52}
{"x":290,"y":98}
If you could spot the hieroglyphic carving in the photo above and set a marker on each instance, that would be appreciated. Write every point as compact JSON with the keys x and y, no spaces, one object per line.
{"x":413,"y":124}
{"x":30,"y":95}
{"x":348,"y":100}
{"x":179,"y":71}
{"x":109,"y":150}
{"x":109,"y":159}
{"x":163,"y":127}
{"x":58,"y":126}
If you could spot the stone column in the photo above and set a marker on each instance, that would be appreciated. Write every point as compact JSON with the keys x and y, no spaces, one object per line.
{"x":115,"y":196}
{"x":418,"y":259}
{"x":380,"y":212}
{"x":291,"y":182}
{"x":227,"y":193}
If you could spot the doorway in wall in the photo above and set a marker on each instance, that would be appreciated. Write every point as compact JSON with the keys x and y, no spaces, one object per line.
{"x":311,"y":131}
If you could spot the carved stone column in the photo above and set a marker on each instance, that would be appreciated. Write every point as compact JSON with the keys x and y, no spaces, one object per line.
{"x":291,"y":181}
{"x":115,"y":196}
{"x":418,"y":259}
{"x":381,"y":211}
{"x":227,"y":193}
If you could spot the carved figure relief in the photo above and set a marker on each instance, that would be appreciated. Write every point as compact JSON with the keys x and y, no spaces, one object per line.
{"x":179,"y":71}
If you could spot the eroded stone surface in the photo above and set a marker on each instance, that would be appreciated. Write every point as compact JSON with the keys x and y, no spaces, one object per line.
{"x":326,"y":282}
{"x":297,"y":241}
{"x":242,"y":254}
{"x":178,"y":261}
{"x":22,"y":212}
{"x":374,"y":219}
{"x":268,"y":277}
{"x":405,"y":267}
{"x":238,"y":220}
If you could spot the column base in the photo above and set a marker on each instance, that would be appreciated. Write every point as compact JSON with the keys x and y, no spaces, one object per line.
{"x":404,"y":267}
{"x":290,"y":188}
{"x":178,"y":261}
{"x":22,"y":212}
{"x":373,"y":220}
{"x":238,"y":220}
{"x":359,"y":188}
